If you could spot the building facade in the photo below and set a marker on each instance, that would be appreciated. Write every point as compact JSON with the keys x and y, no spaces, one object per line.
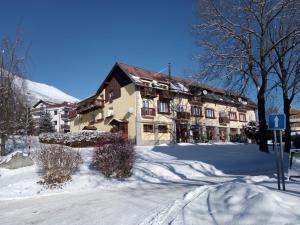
{"x":295,"y":120}
{"x":59,"y":113}
{"x":152,"y":108}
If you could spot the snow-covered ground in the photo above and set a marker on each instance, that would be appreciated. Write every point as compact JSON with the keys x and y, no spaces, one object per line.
{"x":171,"y":184}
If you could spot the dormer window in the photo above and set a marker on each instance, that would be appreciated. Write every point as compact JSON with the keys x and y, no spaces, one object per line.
{"x":111,"y":94}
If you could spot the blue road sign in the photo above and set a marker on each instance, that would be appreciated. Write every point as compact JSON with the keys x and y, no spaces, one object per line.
{"x":277,"y":122}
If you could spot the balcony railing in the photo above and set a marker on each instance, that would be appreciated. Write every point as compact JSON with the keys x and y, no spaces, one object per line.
{"x":65,"y":126}
{"x":148,"y":92}
{"x":148,"y":111}
{"x":196,"y":100}
{"x":183,"y":115}
{"x":64,"y":116}
{"x":97,"y":104}
{"x":166,"y":95}
{"x":223,"y":120}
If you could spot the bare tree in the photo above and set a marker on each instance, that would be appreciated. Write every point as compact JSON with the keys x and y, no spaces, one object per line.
{"x":286,"y":58}
{"x":11,"y":89}
{"x":235,"y":40}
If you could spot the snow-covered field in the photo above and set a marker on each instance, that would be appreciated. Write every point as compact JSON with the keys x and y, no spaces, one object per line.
{"x":171,"y":184}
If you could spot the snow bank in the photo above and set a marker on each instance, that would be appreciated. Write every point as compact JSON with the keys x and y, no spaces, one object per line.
{"x":229,"y":203}
{"x":150,"y":167}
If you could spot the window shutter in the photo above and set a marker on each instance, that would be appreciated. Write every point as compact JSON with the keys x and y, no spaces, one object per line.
{"x":158,"y":106}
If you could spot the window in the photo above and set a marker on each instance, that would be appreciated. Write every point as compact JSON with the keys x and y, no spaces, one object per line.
{"x":55,"y":122}
{"x":243,"y":117}
{"x":146,"y":103}
{"x":209,"y":113}
{"x":196,"y":110}
{"x":110,"y":95}
{"x":148,"y":128}
{"x":162,"y":128}
{"x":250,"y":117}
{"x":232,"y":115}
{"x":55,"y":112}
{"x":163,"y":107}
{"x":179,"y":108}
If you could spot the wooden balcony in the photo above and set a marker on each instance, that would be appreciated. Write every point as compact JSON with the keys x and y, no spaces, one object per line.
{"x":223,"y":120}
{"x":195,"y":100}
{"x":148,"y":92}
{"x":183,"y":115}
{"x":146,"y":112}
{"x":64,"y":116}
{"x":96,"y":104}
{"x":166,"y":95}
{"x":65,"y":127}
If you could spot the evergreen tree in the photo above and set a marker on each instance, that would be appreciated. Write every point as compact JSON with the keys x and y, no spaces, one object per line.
{"x":26,"y":122}
{"x":45,"y":124}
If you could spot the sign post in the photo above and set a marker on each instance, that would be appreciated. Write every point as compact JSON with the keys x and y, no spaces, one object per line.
{"x":277,"y":122}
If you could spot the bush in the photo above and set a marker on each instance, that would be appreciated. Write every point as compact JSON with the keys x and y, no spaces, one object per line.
{"x":78,"y":139}
{"x":114,"y":159}
{"x":57,"y":163}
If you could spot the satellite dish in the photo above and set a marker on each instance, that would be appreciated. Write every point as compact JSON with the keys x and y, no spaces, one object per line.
{"x":154,"y":83}
{"x":205,"y":92}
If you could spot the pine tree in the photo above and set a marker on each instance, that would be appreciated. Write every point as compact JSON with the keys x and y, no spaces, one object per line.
{"x":45,"y":124}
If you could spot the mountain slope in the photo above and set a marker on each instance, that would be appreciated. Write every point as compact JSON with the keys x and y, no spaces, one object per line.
{"x":39,"y":91}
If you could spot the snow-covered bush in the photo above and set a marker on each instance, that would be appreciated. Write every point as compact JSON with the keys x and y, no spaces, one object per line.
{"x":114,"y":159}
{"x":57,"y":163}
{"x":77,"y":139}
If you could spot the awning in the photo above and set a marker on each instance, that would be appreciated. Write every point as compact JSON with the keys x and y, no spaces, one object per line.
{"x":89,"y":128}
{"x":117,"y":121}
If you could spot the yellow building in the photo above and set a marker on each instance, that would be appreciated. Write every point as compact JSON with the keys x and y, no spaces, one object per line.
{"x":295,"y":120}
{"x":151,"y":108}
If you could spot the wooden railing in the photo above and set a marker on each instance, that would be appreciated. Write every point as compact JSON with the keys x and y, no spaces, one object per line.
{"x":148,"y":92}
{"x":223,"y":120}
{"x":183,"y":115}
{"x":166,"y":95}
{"x":65,"y":126}
{"x":97,"y":104}
{"x":196,"y":100}
{"x":148,"y":111}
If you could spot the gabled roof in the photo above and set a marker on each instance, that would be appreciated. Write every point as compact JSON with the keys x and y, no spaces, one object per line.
{"x":55,"y":105}
{"x":178,"y":84}
{"x":182,"y":85}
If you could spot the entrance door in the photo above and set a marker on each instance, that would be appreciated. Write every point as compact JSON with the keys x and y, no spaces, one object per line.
{"x":123,"y":128}
{"x":181,"y":132}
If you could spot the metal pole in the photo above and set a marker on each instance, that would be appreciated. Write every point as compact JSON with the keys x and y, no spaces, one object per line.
{"x":281,"y":162}
{"x":276,"y":158}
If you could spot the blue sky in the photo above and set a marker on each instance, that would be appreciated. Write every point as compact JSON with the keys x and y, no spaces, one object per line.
{"x":74,"y":44}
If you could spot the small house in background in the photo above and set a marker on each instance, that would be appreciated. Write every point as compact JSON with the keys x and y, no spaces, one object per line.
{"x":59,"y":113}
{"x":295,"y":120}
{"x":151,"y":108}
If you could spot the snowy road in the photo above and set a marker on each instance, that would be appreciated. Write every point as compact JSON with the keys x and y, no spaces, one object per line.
{"x":120,"y":206}
{"x":166,"y":184}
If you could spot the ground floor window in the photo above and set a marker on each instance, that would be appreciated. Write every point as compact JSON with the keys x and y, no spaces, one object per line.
{"x":162,"y":128}
{"x":148,"y":128}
